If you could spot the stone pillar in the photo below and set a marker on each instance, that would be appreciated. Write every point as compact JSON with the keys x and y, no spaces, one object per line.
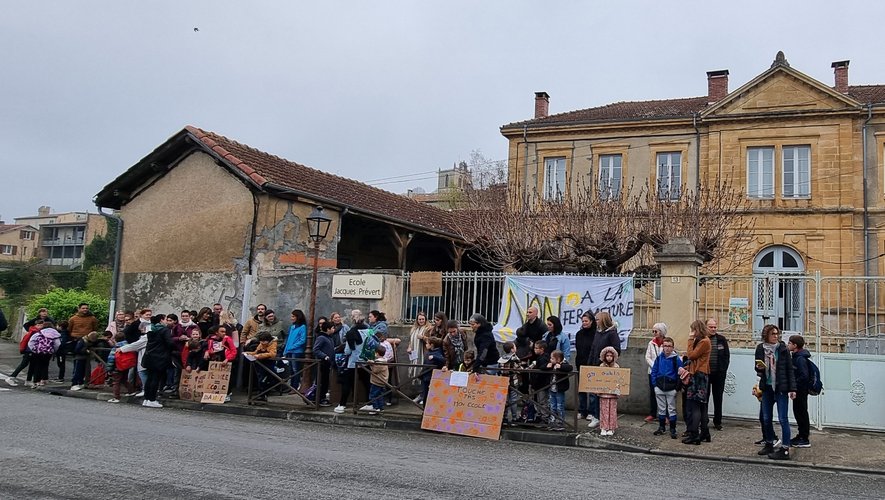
{"x":679,"y":288}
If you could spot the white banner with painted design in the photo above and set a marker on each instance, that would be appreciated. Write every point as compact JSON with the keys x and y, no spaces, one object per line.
{"x":567,"y":297}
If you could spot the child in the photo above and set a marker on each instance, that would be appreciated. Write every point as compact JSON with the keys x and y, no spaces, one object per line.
{"x":435,"y":358}
{"x":119,"y":376}
{"x":665,"y":375}
{"x":509,"y":363}
{"x":26,"y":356}
{"x":66,"y":345}
{"x":469,"y":362}
{"x":796,"y":345}
{"x":193,"y":353}
{"x":380,"y":372}
{"x":559,"y":385}
{"x":454,"y":345}
{"x":608,"y":403}
{"x":220,"y":347}
{"x":538,"y":382}
{"x":264,"y":354}
{"x":43,"y":345}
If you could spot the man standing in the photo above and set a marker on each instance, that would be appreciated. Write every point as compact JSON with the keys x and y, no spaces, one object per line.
{"x":250,"y":329}
{"x":534,"y":328}
{"x":82,"y":323}
{"x":719,"y":359}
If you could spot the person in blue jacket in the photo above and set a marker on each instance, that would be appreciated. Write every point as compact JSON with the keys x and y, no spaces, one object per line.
{"x":296,"y":343}
{"x":665,"y":375}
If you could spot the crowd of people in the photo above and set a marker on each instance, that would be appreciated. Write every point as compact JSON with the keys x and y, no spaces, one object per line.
{"x":145,"y":354}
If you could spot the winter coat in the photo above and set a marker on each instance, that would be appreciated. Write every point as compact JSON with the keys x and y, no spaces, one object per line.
{"x":230,"y":349}
{"x":663,"y":367}
{"x":296,"y":341}
{"x":699,"y":355}
{"x":323,"y":347}
{"x":137,"y":346}
{"x":132,"y":332}
{"x":449,"y":349}
{"x":651,"y":354}
{"x":785,"y":376}
{"x":380,"y":372}
{"x":559,"y":342}
{"x":608,"y":338}
{"x":539,"y":380}
{"x":158,"y":350}
{"x":583,"y":346}
{"x":801,"y":369}
{"x":250,"y":329}
{"x":486,"y":351}
{"x":532,"y":332}
{"x":81,"y":325}
{"x":720,"y":355}
{"x":559,"y":377}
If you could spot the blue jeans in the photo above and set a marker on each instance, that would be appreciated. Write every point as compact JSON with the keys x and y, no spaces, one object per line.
{"x":375,"y":396}
{"x":79,"y":376}
{"x":557,"y":407}
{"x":594,"y":404}
{"x":782,"y":399}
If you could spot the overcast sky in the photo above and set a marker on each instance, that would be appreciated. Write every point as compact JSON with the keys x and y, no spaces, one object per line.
{"x":368,"y":90}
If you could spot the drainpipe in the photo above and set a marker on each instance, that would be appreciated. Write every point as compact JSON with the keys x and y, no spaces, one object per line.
{"x":115,"y":277}
{"x":697,"y":154}
{"x":525,"y":162}
{"x":866,"y":208}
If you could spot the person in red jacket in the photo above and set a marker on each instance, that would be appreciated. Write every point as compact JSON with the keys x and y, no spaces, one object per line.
{"x":220,"y":346}
{"x":26,"y":355}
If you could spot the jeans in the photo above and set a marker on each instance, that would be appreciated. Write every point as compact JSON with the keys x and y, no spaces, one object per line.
{"x":80,"y":367}
{"x":583,"y":404}
{"x":557,"y":407}
{"x":800,"y":413}
{"x":346,"y":385}
{"x":297,"y":366}
{"x":323,"y":379}
{"x":717,"y":387}
{"x":25,"y":362}
{"x":594,"y":405}
{"x":782,"y":400}
{"x":512,"y":408}
{"x":376,"y":396}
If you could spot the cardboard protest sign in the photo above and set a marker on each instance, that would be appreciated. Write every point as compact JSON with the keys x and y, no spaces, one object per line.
{"x":425,"y":284}
{"x":204,"y":386}
{"x":602,"y":380}
{"x":476,"y":409}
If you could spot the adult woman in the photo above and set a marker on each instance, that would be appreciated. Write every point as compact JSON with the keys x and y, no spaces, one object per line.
{"x":353,"y":340}
{"x":658,"y":332}
{"x":486,"y":351}
{"x":583,"y":342}
{"x":204,"y":321}
{"x":296,"y":344}
{"x":606,"y":336}
{"x":156,"y":359}
{"x":777,"y":381}
{"x":698,"y":374}
{"x":420,"y":329}
{"x":555,"y":339}
{"x":439,"y":325}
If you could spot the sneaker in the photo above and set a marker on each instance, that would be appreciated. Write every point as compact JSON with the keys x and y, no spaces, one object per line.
{"x":766,"y":450}
{"x":227,"y":399}
{"x":76,"y":387}
{"x":367,"y":408}
{"x":780,"y":454}
{"x":113,"y":400}
{"x":777,"y":442}
{"x":339,"y":409}
{"x":801,"y":443}
{"x":760,"y":442}
{"x":594,"y":422}
{"x":144,"y":403}
{"x":589,"y":417}
{"x":388,"y":403}
{"x":59,"y":380}
{"x":152,"y":404}
{"x":130,"y":394}
{"x":139,"y":394}
{"x":659,"y":432}
{"x":11,"y":381}
{"x":325,"y":402}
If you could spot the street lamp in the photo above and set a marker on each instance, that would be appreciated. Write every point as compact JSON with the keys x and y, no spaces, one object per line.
{"x":318,"y":224}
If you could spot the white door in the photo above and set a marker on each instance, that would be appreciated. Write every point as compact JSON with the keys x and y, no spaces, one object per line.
{"x":778,"y":291}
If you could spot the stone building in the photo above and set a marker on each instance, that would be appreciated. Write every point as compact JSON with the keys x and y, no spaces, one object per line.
{"x":207,"y":219}
{"x":810,"y":157}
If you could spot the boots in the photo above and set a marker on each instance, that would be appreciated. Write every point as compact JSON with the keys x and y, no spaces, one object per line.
{"x":660,"y":426}
{"x":672,"y":427}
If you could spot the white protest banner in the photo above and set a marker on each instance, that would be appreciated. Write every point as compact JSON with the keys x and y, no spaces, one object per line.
{"x":567,"y":297}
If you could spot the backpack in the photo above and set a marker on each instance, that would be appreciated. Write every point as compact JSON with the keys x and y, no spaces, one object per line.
{"x":369,"y":344}
{"x":815,"y":385}
{"x":45,"y":345}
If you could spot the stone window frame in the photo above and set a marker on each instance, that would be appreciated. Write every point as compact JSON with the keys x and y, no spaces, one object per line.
{"x":783,"y":189}
{"x":560,"y":183}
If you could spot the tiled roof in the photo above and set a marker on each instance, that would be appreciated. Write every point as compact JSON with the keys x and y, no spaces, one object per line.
{"x":625,"y":110}
{"x":263,"y":168}
{"x":666,"y":108}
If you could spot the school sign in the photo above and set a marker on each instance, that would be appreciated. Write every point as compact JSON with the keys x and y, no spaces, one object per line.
{"x":567,"y":297}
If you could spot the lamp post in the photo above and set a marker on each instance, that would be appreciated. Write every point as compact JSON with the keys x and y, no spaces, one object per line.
{"x":318,"y":227}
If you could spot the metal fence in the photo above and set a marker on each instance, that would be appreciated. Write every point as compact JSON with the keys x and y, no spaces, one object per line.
{"x":835,"y":314}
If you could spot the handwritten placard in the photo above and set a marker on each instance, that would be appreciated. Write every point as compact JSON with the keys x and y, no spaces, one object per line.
{"x":213,"y":398}
{"x":425,"y":284}
{"x":195,"y":385}
{"x":475,"y":410}
{"x":602,"y":380}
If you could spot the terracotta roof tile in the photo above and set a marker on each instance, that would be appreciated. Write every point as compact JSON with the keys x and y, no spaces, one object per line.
{"x":666,"y":108}
{"x":265,"y":168}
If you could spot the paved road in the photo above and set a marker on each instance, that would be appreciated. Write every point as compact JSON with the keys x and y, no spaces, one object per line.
{"x":53,"y":447}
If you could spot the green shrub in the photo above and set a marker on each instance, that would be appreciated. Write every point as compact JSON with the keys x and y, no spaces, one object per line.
{"x":99,"y":281}
{"x":62,"y":304}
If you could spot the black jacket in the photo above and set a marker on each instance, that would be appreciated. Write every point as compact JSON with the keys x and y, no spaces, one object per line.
{"x":785,"y":376}
{"x":801,"y":369}
{"x":132,"y":332}
{"x":532,"y":331}
{"x":323,"y":346}
{"x":539,"y":380}
{"x":486,"y":350}
{"x":720,"y":356}
{"x":608,"y":338}
{"x":562,"y":378}
{"x":584,"y":345}
{"x":158,"y":351}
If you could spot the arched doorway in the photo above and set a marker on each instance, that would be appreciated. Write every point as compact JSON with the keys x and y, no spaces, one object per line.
{"x":778,"y":291}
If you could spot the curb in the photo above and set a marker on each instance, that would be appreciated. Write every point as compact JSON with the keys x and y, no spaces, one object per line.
{"x":585,"y":440}
{"x":591,"y":441}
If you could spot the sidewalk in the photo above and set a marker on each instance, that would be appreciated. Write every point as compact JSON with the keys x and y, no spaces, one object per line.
{"x":833,"y":449}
